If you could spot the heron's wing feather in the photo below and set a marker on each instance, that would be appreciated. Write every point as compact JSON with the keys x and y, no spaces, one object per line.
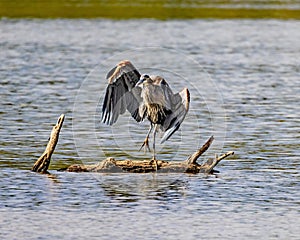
{"x":121,"y":93}
{"x":168,"y":94}
{"x":180,"y":107}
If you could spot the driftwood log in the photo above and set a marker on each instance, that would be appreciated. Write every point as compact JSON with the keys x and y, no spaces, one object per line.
{"x":110,"y":165}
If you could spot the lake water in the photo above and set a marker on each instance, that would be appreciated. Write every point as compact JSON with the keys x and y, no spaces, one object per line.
{"x":244,"y":78}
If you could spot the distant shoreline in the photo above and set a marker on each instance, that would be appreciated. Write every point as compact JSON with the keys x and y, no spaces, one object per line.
{"x":141,"y":9}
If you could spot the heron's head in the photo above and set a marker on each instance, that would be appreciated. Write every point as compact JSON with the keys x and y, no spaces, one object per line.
{"x":143,"y":79}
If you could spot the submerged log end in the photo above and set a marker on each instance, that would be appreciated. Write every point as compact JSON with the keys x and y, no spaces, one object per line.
{"x":42,"y":164}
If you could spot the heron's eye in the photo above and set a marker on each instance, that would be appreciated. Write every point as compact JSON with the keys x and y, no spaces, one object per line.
{"x":146,"y":76}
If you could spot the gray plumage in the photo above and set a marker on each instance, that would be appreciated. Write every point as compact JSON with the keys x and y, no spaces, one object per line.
{"x":144,"y":97}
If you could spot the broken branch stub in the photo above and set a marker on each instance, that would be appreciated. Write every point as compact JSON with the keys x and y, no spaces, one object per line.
{"x":194,"y":157}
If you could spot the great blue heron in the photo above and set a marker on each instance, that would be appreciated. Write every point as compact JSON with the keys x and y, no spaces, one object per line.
{"x":144,"y":96}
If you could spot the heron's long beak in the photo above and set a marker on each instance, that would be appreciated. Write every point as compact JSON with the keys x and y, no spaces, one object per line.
{"x":140,"y":82}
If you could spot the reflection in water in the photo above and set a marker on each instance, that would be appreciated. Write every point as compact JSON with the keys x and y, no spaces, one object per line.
{"x":146,"y":187}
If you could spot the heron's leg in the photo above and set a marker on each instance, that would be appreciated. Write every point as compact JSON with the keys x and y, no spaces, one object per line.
{"x":145,"y":144}
{"x":154,"y":134}
{"x":154,"y":156}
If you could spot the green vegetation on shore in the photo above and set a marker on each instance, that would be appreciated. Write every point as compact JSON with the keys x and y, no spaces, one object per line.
{"x":122,"y":9}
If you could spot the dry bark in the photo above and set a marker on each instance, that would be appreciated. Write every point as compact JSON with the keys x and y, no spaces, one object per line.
{"x":110,"y":165}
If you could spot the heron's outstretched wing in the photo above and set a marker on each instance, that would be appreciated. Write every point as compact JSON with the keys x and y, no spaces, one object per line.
{"x":121,"y":93}
{"x":179,"y":107}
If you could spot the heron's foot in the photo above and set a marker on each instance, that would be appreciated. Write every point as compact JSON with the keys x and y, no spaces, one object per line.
{"x":154,"y":161}
{"x":145,"y":145}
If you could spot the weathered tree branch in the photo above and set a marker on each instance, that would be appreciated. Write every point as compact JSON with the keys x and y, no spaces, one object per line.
{"x":190,"y":165}
{"x":42,"y":164}
{"x":193,"y":158}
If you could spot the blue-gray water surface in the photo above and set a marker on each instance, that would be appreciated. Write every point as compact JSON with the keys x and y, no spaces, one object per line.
{"x":244,"y":78}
